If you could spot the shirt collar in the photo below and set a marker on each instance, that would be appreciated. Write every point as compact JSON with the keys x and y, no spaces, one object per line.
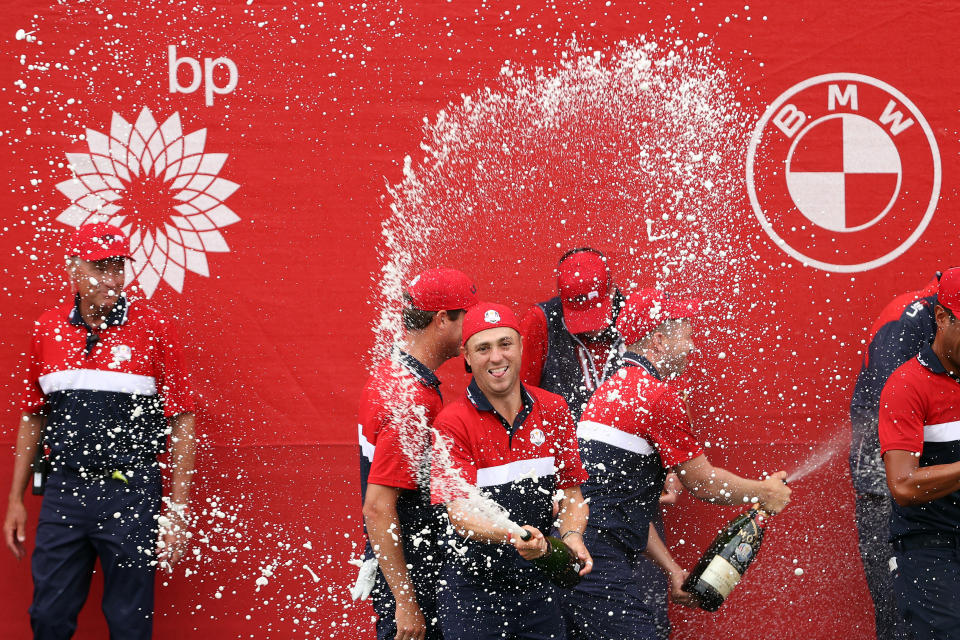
{"x":632,"y":359}
{"x":480,"y":402}
{"x":929,"y":359}
{"x":117,"y":316}
{"x":420,"y":371}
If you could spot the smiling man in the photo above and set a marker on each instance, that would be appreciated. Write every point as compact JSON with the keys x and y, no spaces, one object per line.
{"x":105,"y":387}
{"x":517,"y":443}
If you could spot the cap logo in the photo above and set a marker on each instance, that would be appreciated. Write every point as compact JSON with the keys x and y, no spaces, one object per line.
{"x":491,"y":316}
{"x":593,"y":294}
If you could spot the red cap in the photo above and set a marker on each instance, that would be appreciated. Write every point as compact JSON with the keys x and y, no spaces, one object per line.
{"x":642,"y":312}
{"x":948,"y":293}
{"x":646,"y":309}
{"x":443,"y":290}
{"x":99,"y":241}
{"x":679,"y":308}
{"x":584,"y":283}
{"x":488,"y":315}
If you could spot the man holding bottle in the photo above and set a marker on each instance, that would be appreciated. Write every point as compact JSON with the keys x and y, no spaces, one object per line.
{"x":920,"y":444}
{"x":518,"y":444}
{"x":634,"y":428}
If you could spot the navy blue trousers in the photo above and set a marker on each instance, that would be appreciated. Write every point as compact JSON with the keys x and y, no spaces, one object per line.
{"x":610,"y":602}
{"x":473,"y":612}
{"x":872,"y":515}
{"x":85,"y":519}
{"x":424,"y":576}
{"x":655,"y":586}
{"x":927,"y":586}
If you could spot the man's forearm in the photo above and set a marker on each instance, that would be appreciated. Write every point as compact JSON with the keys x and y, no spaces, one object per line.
{"x":183,"y":453}
{"x":923,"y":484}
{"x":717,"y":485}
{"x":386,"y":538}
{"x":573,"y":511}
{"x":657,"y":551}
{"x":475,"y":526}
{"x":28,"y":439}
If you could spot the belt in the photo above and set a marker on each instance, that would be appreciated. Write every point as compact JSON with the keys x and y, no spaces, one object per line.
{"x":927,"y":541}
{"x":118,"y":474}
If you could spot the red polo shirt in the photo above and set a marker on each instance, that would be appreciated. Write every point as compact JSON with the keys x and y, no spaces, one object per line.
{"x":633,"y":408}
{"x":397,"y":408}
{"x":106,"y":391}
{"x":540,"y":444}
{"x":519,"y":465}
{"x":920,"y":412}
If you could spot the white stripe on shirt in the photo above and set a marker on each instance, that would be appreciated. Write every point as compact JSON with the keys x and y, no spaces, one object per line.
{"x":589,"y":430}
{"x":98,"y":380}
{"x":366,"y":448}
{"x":945,"y":432}
{"x":516,"y":470}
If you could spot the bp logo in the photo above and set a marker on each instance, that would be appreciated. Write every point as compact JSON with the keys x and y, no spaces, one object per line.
{"x":161,"y":187}
{"x":843,"y":172}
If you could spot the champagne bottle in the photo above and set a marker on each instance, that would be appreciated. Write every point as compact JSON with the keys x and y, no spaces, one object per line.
{"x":560,"y":564}
{"x":726,"y":559}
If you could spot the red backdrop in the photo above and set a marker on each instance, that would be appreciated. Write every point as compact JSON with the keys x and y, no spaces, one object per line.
{"x":277,"y":299}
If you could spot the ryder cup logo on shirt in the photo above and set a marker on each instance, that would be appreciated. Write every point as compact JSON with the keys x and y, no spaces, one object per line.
{"x":120,"y":353}
{"x":158,"y":185}
{"x":537,"y":437}
{"x":491,"y":316}
{"x":843,"y":172}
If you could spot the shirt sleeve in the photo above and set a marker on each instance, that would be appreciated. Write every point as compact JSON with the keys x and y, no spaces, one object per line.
{"x":570,"y":471}
{"x":671,"y":431}
{"x":390,"y":466}
{"x":400,"y":439}
{"x":901,"y":417}
{"x":33,"y":399}
{"x":452,"y":464}
{"x":173,"y":382}
{"x":533,"y":330}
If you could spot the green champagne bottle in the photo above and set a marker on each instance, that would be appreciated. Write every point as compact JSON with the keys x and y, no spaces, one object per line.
{"x":726,"y":559}
{"x":559,"y":563}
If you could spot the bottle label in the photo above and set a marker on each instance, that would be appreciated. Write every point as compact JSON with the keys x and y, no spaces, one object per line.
{"x":721,"y":575}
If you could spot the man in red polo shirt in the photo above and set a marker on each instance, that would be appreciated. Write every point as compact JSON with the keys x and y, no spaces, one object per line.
{"x":518,"y":444}
{"x":397,"y":410}
{"x":105,"y":386}
{"x":636,"y":427}
{"x":920,"y":444}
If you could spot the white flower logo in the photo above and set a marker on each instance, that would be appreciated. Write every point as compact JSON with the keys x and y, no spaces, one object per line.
{"x":160,"y":187}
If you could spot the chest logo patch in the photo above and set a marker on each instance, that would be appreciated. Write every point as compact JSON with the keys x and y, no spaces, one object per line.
{"x":537,"y":437}
{"x":121,"y":353}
